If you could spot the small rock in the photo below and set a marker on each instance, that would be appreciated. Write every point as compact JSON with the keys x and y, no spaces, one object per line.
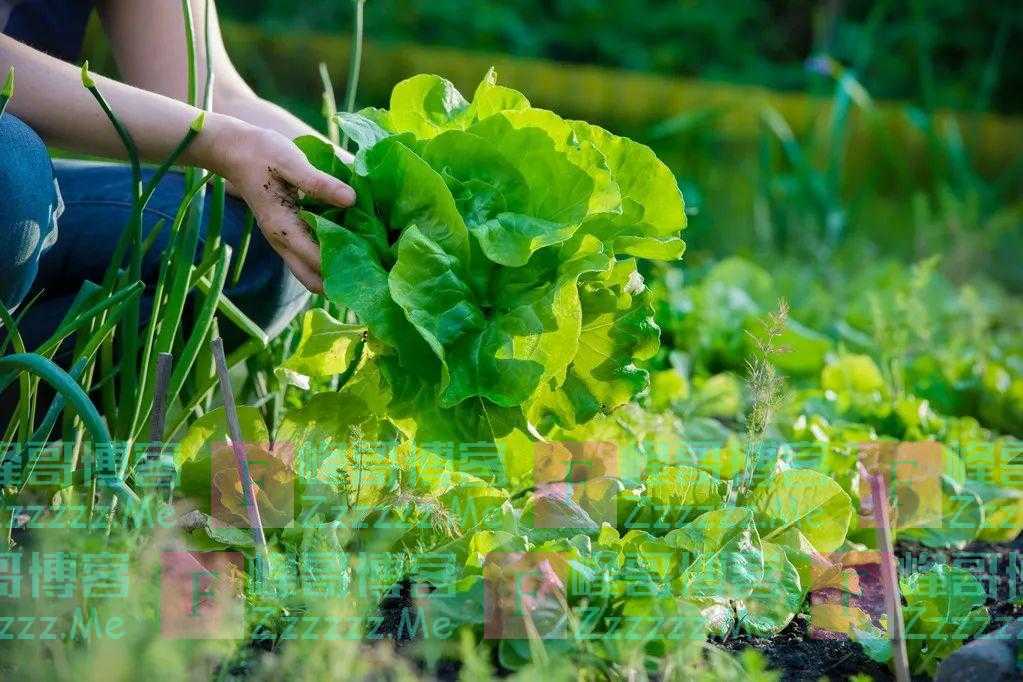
{"x":1011,"y":634}
{"x":986,"y":660}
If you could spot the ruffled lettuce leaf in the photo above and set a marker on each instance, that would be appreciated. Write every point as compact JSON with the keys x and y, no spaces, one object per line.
{"x":775,"y":599}
{"x":618,"y":331}
{"x":325,"y":349}
{"x":516,"y":191}
{"x":724,"y":555}
{"x":803,"y":501}
{"x":428,"y":105}
{"x":500,"y":349}
{"x":944,"y":608}
{"x":653,"y":211}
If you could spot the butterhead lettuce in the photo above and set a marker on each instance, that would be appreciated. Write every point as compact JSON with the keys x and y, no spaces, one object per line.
{"x":493,"y":256}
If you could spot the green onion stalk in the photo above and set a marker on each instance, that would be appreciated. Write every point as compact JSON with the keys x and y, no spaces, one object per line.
{"x":7,"y":92}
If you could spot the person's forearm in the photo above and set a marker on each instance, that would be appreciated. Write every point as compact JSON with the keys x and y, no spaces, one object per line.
{"x":148,"y":42}
{"x":261,"y":164}
{"x":246,"y":105}
{"x":52,"y":100}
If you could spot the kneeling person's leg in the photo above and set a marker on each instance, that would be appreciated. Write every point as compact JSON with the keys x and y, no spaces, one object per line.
{"x":29,"y":203}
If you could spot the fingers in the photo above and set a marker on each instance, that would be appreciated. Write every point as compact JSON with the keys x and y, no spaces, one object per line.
{"x":325,"y":188}
{"x":272,"y":188}
{"x":289,"y":236}
{"x":298,"y":242}
{"x":303,"y":273}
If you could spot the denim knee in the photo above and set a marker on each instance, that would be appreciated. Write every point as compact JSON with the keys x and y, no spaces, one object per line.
{"x":28,"y":209}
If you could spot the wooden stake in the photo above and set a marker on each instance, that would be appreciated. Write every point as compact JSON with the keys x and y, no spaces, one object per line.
{"x":889,"y":573}
{"x":241,"y":459}
{"x":158,"y":418}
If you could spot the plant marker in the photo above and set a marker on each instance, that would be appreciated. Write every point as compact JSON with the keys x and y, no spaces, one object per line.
{"x":159,"y":416}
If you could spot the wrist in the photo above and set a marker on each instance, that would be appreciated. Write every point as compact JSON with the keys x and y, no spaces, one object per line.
{"x":217,"y":146}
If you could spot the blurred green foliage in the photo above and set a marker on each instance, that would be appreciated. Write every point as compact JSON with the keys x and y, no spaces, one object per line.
{"x":809,"y":189}
{"x":952,"y":53}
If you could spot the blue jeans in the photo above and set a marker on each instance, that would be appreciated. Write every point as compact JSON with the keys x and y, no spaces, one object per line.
{"x":51,"y":241}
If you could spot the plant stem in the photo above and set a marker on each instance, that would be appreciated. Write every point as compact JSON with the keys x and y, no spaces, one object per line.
{"x":133,"y":372}
{"x":126,"y":139}
{"x":25,"y":420}
{"x":186,"y":13}
{"x":243,"y":249}
{"x":329,"y":106}
{"x":354,"y":63}
{"x":150,"y":189}
{"x":207,"y":98}
{"x":63,"y":383}
{"x":42,"y":434}
{"x":765,"y":388}
{"x":7,"y":92}
{"x":205,"y":318}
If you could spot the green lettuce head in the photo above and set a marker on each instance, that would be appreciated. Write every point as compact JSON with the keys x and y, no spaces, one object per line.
{"x":493,"y":258}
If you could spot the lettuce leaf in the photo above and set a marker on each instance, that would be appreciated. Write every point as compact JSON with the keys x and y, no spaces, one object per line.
{"x":803,"y":501}
{"x":944,"y":608}
{"x":724,"y":553}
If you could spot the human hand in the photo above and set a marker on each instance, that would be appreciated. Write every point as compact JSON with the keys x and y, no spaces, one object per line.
{"x":268,"y":172}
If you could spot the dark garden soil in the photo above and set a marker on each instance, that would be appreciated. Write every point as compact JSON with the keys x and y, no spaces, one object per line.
{"x":797,"y":656}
